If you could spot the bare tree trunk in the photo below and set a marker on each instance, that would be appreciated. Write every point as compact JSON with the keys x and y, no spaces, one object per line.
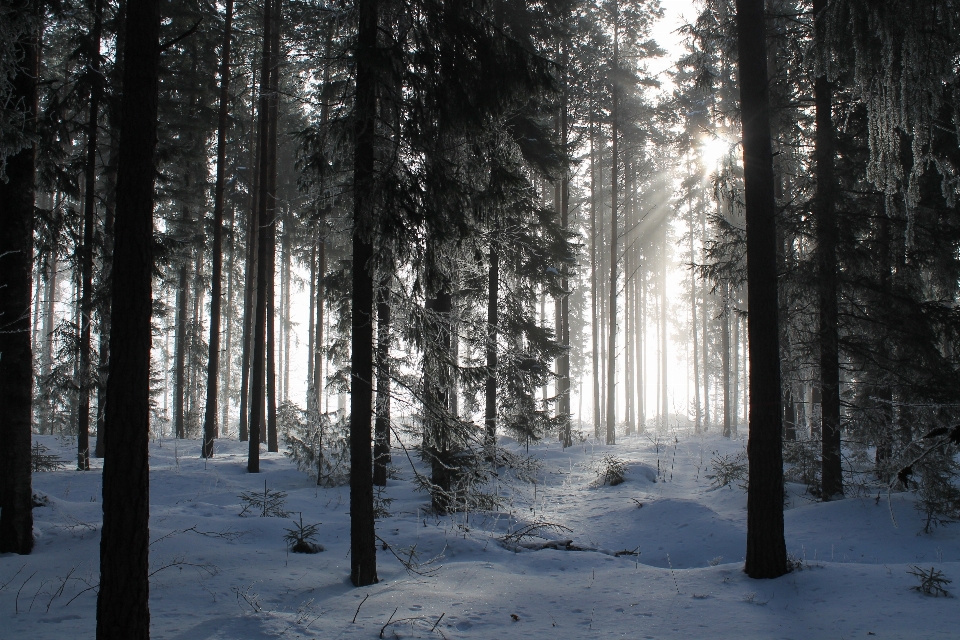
{"x":831,"y":472}
{"x":263,"y":227}
{"x":594,"y":284}
{"x":123,"y":597}
{"x":725,"y":346}
{"x":17,"y":201}
{"x":363,"y":553}
{"x":381,"y":444}
{"x":210,"y":429}
{"x":664,"y":310}
{"x":693,"y":333}
{"x":493,"y":321}
{"x":180,"y":349}
{"x":612,"y":344}
{"x":766,"y":550}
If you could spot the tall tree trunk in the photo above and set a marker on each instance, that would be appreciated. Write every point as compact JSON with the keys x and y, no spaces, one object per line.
{"x":271,"y":229}
{"x":363,"y":553}
{"x":110,"y":205}
{"x":49,"y":321}
{"x":612,"y":341}
{"x":493,"y":320}
{"x":227,"y":365}
{"x":638,"y":332}
{"x":725,"y":346}
{"x":262,"y":225}
{"x":17,"y":200}
{"x":831,"y":472}
{"x":735,"y":379}
{"x":180,"y":350}
{"x":250,"y":285}
{"x":693,"y":334}
{"x":89,"y":220}
{"x":210,"y":430}
{"x":766,"y":549}
{"x":563,"y":364}
{"x":123,"y":598}
{"x":594,"y":285}
{"x":318,"y":326}
{"x":381,"y":444}
{"x":704,"y":327}
{"x":664,"y":307}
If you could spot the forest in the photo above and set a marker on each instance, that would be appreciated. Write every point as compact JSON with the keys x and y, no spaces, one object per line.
{"x":452,"y":296}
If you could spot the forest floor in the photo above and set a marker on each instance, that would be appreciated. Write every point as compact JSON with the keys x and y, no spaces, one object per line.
{"x":217,"y":575}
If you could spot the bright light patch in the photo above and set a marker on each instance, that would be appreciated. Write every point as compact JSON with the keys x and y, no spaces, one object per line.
{"x":713,"y":149}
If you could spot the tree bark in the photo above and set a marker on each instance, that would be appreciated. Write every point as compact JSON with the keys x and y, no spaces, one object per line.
{"x":262,"y":226}
{"x":180,"y":350}
{"x":766,"y":549}
{"x":831,"y":472}
{"x":17,"y":200}
{"x":270,"y":228}
{"x":611,"y":435}
{"x":89,"y":220}
{"x":363,"y":552}
{"x":210,"y":430}
{"x":594,"y":285}
{"x":381,"y":445}
{"x":123,"y":598}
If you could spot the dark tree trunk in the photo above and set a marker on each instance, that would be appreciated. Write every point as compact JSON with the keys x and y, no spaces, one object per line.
{"x":123,"y":598}
{"x":262,"y":228}
{"x":437,"y":382}
{"x":180,"y":352}
{"x":766,"y":549}
{"x":250,"y":285}
{"x":725,"y":357}
{"x":612,"y":340}
{"x":693,"y":333}
{"x":226,"y":366}
{"x":210,"y":430}
{"x":89,"y":220}
{"x":594,"y":287}
{"x":110,"y":205}
{"x":17,"y":199}
{"x":270,"y":228}
{"x":363,"y":551}
{"x":381,"y":443}
{"x":563,"y":328}
{"x":831,"y":472}
{"x":493,"y":321}
{"x":317,"y":354}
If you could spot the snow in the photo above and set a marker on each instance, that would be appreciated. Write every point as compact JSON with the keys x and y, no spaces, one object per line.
{"x":220,"y":576}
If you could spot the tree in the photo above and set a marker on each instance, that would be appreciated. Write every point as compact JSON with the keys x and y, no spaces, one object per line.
{"x":832,"y":474}
{"x":210,"y":430}
{"x":766,"y":548}
{"x":17,"y":195}
{"x":123,"y":597}
{"x":363,"y":552}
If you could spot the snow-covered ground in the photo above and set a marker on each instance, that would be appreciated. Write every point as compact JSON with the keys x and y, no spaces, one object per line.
{"x":217,"y":575}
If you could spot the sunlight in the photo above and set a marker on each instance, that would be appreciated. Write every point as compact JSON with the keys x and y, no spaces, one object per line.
{"x":713,"y":149}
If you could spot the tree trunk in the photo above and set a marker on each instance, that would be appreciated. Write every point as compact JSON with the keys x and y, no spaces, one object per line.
{"x":766,"y":549}
{"x":831,"y":472}
{"x":493,"y":320}
{"x":210,"y":430}
{"x":664,"y":354}
{"x":381,"y":445}
{"x":123,"y":597}
{"x":693,"y":323}
{"x":180,"y":351}
{"x":363,"y":552}
{"x":262,"y":226}
{"x":270,"y":228}
{"x":226,"y":367}
{"x":89,"y":220}
{"x":17,"y":199}
{"x":594,"y":285}
{"x":318,"y":326}
{"x":563,"y":364}
{"x":612,"y":340}
{"x":725,"y":346}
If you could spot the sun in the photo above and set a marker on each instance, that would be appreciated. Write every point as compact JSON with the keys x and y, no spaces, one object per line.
{"x":713,"y":149}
